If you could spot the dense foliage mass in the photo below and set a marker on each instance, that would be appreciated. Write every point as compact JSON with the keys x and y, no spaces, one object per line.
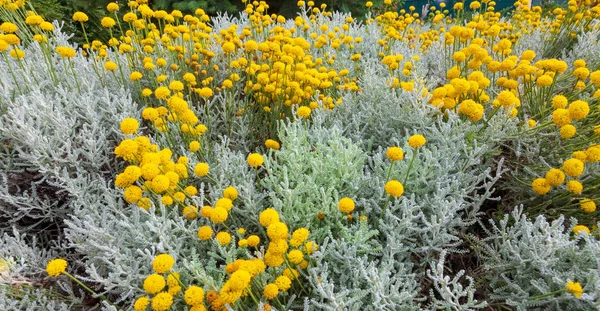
{"x":407,"y":161}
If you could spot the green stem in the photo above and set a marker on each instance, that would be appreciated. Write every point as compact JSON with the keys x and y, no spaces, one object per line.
{"x":410,"y":166}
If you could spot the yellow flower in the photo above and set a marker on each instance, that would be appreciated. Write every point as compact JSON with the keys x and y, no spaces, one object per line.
{"x":194,"y":146}
{"x":17,"y":53}
{"x":540,"y":186}
{"x":110,"y":66}
{"x":416,"y":141}
{"x":277,"y":230}
{"x":574,"y":288}
{"x":129,"y":126}
{"x":135,"y":76}
{"x":574,"y":186}
{"x":255,"y":160}
{"x":395,"y":153}
{"x":272,"y":144}
{"x":112,"y":7}
{"x":561,"y":117}
{"x":559,"y":102}
{"x":162,"y":302}
{"x":65,"y":51}
{"x":223,"y":238}
{"x":194,"y":295}
{"x":56,"y":266}
{"x":8,"y":27}
{"x":579,"y":109}
{"x":283,"y":283}
{"x":205,"y":233}
{"x":230,"y":193}
{"x":303,"y":112}
{"x":270,"y":291}
{"x":555,"y":177}
{"x":154,"y":283}
{"x":567,"y":131}
{"x":573,"y":167}
{"x":253,"y":240}
{"x":132,"y":194}
{"x":268,"y":216}
{"x":346,"y":205}
{"x":201,"y":169}
{"x":190,"y":212}
{"x":163,"y":263}
{"x":394,"y":188}
{"x":581,"y":228}
{"x":587,"y":205}
{"x":369,"y":4}
{"x":218,"y":215}
{"x":80,"y":17}
{"x":107,"y":22}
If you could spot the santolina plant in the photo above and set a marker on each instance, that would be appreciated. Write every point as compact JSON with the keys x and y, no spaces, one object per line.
{"x":324,"y":162}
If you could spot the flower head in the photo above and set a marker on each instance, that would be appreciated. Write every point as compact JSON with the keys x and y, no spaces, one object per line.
{"x":394,"y":188}
{"x":80,"y":17}
{"x":574,"y":288}
{"x":416,"y":141}
{"x":255,"y":160}
{"x":163,"y":263}
{"x":346,"y":205}
{"x":395,"y":153}
{"x":56,"y":266}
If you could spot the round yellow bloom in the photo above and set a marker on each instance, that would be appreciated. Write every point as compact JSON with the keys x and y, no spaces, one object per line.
{"x":567,"y":131}
{"x":561,"y":117}
{"x":154,"y":283}
{"x":110,"y":66}
{"x":176,"y":86}
{"x":283,"y":283}
{"x":141,"y":304}
{"x":416,"y":141}
{"x":253,"y":240}
{"x":394,"y":188}
{"x":129,"y":126}
{"x":277,"y":230}
{"x":587,"y":205}
{"x":135,"y":76}
{"x":395,"y":153}
{"x":112,"y":7}
{"x":544,"y":80}
{"x":225,"y":203}
{"x":230,"y":193}
{"x":107,"y":22}
{"x":581,"y":228}
{"x":540,"y":186}
{"x":190,"y":212}
{"x":255,"y":160}
{"x":218,"y":215}
{"x":201,"y":169}
{"x":295,"y":256}
{"x":574,"y":186}
{"x":270,"y":291}
{"x":205,"y":233}
{"x":573,"y":167}
{"x":194,"y":295}
{"x":574,"y":288}
{"x":56,"y":266}
{"x":80,"y":17}
{"x":559,"y":102}
{"x":268,"y":217}
{"x":194,"y":146}
{"x":162,"y":302}
{"x":592,"y":154}
{"x":346,"y":205}
{"x":223,"y":238}
{"x":163,"y":263}
{"x":310,"y":247}
{"x":299,"y":236}
{"x":369,"y":4}
{"x":303,"y":112}
{"x":555,"y":177}
{"x":272,"y":144}
{"x":65,"y":51}
{"x":132,"y":194}
{"x":204,"y":92}
{"x":579,"y":109}
{"x":144,"y":203}
{"x":17,"y":53}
